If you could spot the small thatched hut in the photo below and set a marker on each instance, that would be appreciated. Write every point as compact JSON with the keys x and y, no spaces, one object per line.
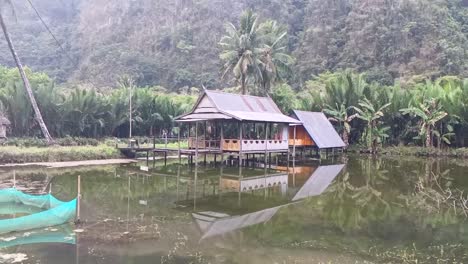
{"x":4,"y":124}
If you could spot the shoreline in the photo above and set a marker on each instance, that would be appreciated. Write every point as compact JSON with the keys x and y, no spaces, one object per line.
{"x":411,"y":151}
{"x":70,"y":164}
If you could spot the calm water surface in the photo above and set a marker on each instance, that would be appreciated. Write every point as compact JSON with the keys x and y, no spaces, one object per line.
{"x":346,"y":210}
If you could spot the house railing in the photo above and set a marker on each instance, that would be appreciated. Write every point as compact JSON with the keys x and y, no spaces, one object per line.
{"x":238,"y":145}
{"x":203,"y":143}
{"x":254,"y":144}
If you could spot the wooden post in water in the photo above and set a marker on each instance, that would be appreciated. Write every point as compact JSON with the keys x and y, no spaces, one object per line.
{"x":221,"y":143}
{"x":178,"y":143}
{"x":78,"y":202}
{"x":196,"y":143}
{"x":294,"y":144}
{"x":165,"y":139}
{"x":239,"y":157}
{"x":14,"y":179}
{"x":266,"y":144}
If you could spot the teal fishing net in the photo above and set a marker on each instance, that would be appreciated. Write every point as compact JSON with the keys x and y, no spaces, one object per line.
{"x":41,"y":211}
{"x":62,"y":234}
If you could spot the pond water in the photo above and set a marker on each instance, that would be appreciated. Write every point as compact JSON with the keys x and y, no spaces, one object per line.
{"x":352,"y":209}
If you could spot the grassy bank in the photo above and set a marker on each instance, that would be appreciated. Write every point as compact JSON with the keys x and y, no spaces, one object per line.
{"x":15,"y":154}
{"x":417,"y":151}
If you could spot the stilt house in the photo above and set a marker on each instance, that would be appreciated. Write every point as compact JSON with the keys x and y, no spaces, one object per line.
{"x":316,"y":131}
{"x":236,"y":123}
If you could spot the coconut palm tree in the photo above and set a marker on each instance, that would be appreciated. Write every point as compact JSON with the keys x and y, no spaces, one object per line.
{"x":275,"y":62}
{"x":240,"y":50}
{"x":27,"y":85}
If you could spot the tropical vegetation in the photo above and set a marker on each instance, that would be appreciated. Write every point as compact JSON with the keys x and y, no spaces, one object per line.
{"x":86,"y":112}
{"x":257,"y":56}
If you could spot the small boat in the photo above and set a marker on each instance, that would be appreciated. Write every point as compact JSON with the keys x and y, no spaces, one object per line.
{"x":45,"y":211}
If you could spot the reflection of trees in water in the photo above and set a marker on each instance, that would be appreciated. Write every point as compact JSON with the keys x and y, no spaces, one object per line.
{"x":396,"y":210}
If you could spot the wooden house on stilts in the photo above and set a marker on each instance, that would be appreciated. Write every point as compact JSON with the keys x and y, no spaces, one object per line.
{"x":314,"y":132}
{"x":236,"y":124}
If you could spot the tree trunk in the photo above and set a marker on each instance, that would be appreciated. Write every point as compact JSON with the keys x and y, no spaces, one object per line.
{"x":345,"y":137}
{"x":27,"y":85}
{"x":243,"y":84}
{"x":428,"y":137}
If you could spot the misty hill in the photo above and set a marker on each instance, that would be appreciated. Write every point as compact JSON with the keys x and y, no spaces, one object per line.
{"x":175,"y":43}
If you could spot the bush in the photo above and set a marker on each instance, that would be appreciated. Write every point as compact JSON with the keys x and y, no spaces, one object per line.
{"x":15,"y":154}
{"x":426,"y":152}
{"x":38,"y":142}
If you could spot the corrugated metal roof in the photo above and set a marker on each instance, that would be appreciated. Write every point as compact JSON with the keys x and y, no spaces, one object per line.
{"x":203,"y":116}
{"x":240,"y":107}
{"x":320,"y":129}
{"x":319,"y":181}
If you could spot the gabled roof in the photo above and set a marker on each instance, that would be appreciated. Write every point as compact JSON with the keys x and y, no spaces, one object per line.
{"x":319,"y":181}
{"x":212,"y":226}
{"x":220,"y":105}
{"x":320,"y":129}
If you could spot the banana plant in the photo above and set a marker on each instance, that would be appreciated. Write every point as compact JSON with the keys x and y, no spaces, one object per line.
{"x":373,"y":134}
{"x":339,"y":114}
{"x":429,"y":113}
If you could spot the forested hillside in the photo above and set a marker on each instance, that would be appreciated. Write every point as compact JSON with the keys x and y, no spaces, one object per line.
{"x":175,"y":44}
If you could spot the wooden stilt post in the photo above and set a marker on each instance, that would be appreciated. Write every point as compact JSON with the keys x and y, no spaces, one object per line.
{"x":239,"y":157}
{"x":294,"y":145}
{"x":269,"y":160}
{"x":147,"y":157}
{"x":221,"y":143}
{"x":266,"y":145}
{"x":196,"y":143}
{"x":178,"y":143}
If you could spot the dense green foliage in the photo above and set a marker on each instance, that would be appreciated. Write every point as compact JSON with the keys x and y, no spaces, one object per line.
{"x":384,"y":71}
{"x":430,"y":113}
{"x":87,"y":112}
{"x":433,"y":113}
{"x":176,"y":43}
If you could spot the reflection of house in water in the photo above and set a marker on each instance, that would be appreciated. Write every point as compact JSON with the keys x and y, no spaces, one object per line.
{"x":234,"y":183}
{"x":247,"y":201}
{"x":318,"y":182}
